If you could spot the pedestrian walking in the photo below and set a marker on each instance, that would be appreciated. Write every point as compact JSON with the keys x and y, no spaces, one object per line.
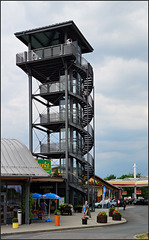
{"x":118,"y":204}
{"x":124,"y":205}
{"x":44,"y":205}
{"x":108,"y":204}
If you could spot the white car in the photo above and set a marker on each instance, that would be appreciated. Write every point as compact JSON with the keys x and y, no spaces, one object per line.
{"x":112,"y":203}
{"x":99,"y":204}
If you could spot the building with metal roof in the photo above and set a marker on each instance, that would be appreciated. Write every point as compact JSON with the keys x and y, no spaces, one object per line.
{"x":130,"y":182}
{"x":17,"y":161}
{"x":18,"y":169}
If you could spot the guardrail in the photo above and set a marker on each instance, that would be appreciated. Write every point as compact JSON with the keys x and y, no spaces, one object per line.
{"x":47,"y":52}
{"x":76,"y":180}
{"x":54,"y":51}
{"x":89,"y":158}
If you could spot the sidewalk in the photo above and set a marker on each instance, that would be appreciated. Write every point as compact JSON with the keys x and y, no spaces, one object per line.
{"x":67,"y":222}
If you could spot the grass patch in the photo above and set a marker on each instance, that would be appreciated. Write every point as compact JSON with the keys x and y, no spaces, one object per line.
{"x":142,"y":236}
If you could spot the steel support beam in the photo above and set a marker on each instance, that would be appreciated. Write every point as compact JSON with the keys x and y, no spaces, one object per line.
{"x":30,"y":106}
{"x":66,"y":130}
{"x":27,"y":191}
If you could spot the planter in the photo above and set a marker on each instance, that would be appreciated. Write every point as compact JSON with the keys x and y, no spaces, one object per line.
{"x":57,"y":220}
{"x":84,"y":221}
{"x":66,"y":210}
{"x":102,"y":219}
{"x":15,"y":225}
{"x":116,"y":217}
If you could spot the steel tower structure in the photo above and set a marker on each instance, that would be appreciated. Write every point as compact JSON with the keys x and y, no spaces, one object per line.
{"x":66,"y":91}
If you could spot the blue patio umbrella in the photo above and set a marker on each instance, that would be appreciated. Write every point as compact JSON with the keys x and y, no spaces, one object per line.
{"x":50,"y":196}
{"x":36,"y":196}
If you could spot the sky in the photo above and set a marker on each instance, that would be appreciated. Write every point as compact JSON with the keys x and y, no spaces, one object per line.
{"x":118,"y":33}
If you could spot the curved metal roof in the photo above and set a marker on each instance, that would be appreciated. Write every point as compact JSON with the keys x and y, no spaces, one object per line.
{"x":17,"y":160}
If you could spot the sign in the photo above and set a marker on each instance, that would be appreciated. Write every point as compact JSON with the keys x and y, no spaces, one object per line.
{"x":124,"y":192}
{"x":138,"y":191}
{"x":61,"y":200}
{"x":45,"y":164}
{"x":104,"y":190}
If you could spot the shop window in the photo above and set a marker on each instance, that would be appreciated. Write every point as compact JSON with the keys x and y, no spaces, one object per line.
{"x":14,"y":193}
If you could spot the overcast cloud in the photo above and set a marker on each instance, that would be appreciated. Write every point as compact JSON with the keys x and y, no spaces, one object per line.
{"x":118,"y":32}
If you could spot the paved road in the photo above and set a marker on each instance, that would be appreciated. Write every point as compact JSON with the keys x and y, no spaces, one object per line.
{"x":137,"y":217}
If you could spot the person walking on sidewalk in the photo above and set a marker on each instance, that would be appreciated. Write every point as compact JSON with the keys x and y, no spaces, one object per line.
{"x":124,"y":205}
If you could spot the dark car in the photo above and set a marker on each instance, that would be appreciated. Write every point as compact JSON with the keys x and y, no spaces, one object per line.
{"x":130,"y":201}
{"x":141,"y":202}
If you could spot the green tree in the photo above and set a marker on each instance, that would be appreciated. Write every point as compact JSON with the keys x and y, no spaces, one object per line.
{"x":112,"y":176}
{"x":144,"y":192}
{"x":130,"y":175}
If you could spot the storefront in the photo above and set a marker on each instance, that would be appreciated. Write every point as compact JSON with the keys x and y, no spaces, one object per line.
{"x":99,"y":183}
{"x":18,"y":170}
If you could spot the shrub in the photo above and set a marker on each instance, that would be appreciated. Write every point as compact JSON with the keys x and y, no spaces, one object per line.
{"x":85,"y":217}
{"x":66,"y":205}
{"x":111,"y":209}
{"x":14,"y":220}
{"x":57,"y":212}
{"x":116,"y":212}
{"x":102,"y":213}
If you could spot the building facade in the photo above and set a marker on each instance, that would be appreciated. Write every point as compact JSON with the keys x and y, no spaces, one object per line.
{"x":18,"y":170}
{"x":65,"y":94}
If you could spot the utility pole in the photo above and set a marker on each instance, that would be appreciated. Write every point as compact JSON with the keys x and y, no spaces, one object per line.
{"x":135,"y":188}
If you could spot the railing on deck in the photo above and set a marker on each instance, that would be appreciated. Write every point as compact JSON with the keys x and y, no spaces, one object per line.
{"x":44,"y":53}
{"x":54,"y":51}
{"x":78,"y":181}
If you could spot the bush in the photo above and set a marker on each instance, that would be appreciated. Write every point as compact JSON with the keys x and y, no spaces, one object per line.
{"x":15,"y":220}
{"x":102,"y":213}
{"x":57,"y":212}
{"x":111,"y":209}
{"x":66,"y":205}
{"x":116,"y":212}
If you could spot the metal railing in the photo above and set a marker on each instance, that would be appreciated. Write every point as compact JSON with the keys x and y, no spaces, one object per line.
{"x":52,"y":147}
{"x":76,"y":180}
{"x":61,"y":147}
{"x":59,"y":116}
{"x":52,"y":117}
{"x":76,"y":149}
{"x":53,"y":87}
{"x":59,"y":86}
{"x":89,"y":129}
{"x":54,"y":51}
{"x":89,"y":158}
{"x":47,"y":52}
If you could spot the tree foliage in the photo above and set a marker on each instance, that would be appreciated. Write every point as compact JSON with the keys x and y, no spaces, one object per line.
{"x":130,"y":175}
{"x":112,"y":176}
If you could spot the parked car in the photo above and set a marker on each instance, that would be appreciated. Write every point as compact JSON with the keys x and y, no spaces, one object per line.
{"x":112,"y":203}
{"x":99,"y":204}
{"x":129,"y":200}
{"x":140,"y":202}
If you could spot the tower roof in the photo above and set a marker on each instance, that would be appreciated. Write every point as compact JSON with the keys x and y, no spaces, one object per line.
{"x":53,"y":35}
